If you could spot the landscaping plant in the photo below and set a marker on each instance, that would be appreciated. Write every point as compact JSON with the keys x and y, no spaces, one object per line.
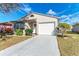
{"x":2,"y":34}
{"x":9,"y":30}
{"x":63,"y":27}
{"x":19,"y":32}
{"x":28,"y":31}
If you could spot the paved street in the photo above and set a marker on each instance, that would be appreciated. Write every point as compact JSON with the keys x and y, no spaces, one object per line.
{"x":41,"y":45}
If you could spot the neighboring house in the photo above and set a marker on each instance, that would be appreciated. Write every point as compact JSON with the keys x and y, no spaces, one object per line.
{"x":41,"y":23}
{"x":75,"y":29}
{"x":6,"y":26}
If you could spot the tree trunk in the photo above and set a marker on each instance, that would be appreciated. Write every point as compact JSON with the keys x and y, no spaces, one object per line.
{"x":62,"y":34}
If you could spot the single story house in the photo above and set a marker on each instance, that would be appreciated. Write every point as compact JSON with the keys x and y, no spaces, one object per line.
{"x":39,"y":23}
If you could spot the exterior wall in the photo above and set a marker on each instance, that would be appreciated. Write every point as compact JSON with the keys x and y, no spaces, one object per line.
{"x":41,"y":18}
{"x":26,"y":25}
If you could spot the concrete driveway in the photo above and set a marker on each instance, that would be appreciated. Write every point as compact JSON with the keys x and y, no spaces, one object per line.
{"x":41,"y":45}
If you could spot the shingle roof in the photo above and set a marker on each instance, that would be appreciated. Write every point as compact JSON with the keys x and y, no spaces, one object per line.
{"x":45,"y":15}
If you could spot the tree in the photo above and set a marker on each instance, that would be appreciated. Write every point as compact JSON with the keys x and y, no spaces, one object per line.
{"x":63,"y":27}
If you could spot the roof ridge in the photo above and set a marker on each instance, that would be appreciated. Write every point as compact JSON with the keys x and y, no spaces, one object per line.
{"x":44,"y":14}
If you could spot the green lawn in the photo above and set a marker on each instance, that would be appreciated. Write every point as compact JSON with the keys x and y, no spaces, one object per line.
{"x":69,"y":46}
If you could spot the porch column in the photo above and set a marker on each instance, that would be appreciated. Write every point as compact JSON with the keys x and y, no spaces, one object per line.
{"x":14,"y":33}
{"x":24,"y":32}
{"x":26,"y":25}
{"x":14,"y":30}
{"x":24,"y":29}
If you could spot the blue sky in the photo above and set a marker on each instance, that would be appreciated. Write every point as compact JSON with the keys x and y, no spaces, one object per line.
{"x":66,"y":12}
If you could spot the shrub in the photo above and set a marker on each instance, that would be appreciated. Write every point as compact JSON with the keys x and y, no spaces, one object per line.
{"x":63,"y":28}
{"x":28,"y":31}
{"x":9,"y":30}
{"x":19,"y":32}
{"x":64,"y":25}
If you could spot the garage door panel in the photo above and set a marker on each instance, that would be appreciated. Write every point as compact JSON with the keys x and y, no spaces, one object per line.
{"x":46,"y":28}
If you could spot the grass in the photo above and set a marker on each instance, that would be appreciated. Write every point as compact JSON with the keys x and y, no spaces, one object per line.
{"x":11,"y":40}
{"x":69,"y":46}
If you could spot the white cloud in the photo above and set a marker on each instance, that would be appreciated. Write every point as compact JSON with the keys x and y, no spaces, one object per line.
{"x":51,"y":12}
{"x":64,"y":16}
{"x":26,"y":8}
{"x":70,"y":15}
{"x":71,"y":18}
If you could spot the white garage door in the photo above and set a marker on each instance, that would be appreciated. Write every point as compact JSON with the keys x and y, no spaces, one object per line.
{"x":46,"y":28}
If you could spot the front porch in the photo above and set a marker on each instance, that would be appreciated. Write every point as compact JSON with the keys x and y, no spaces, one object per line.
{"x":33,"y":25}
{"x":26,"y":24}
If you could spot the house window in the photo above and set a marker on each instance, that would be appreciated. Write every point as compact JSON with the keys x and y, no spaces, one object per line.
{"x":31,"y":15}
{"x":19,"y":26}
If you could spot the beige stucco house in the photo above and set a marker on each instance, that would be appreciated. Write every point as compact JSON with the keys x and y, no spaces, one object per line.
{"x":41,"y":23}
